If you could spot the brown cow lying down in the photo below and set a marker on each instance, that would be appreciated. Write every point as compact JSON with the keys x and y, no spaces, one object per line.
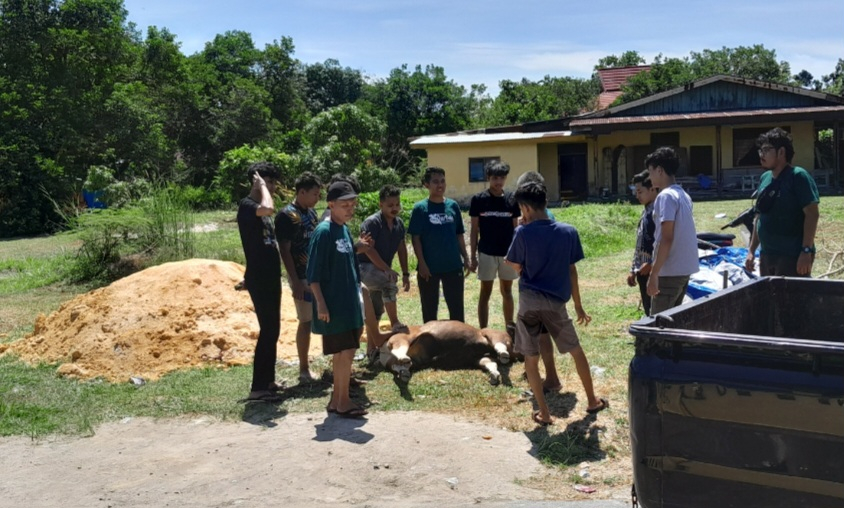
{"x":446,"y":345}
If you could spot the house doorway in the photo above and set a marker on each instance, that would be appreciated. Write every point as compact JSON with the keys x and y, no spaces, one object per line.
{"x":572,"y":168}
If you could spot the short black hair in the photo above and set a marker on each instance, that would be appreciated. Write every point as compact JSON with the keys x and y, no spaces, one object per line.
{"x":350,"y":179}
{"x":307,"y":181}
{"x":643,"y":178}
{"x":264,"y":168}
{"x":529,"y":176}
{"x":666,"y":157}
{"x":426,"y":178}
{"x":388,"y":191}
{"x":533,"y":195}
{"x":496,"y":168}
{"x":778,"y":138}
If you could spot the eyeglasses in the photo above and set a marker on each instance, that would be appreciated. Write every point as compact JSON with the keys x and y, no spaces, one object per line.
{"x":764,"y":150}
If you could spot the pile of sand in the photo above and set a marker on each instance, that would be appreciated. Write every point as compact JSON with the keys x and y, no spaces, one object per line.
{"x":168,"y":317}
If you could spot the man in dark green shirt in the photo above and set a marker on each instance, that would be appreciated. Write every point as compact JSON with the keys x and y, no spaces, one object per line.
{"x":787,"y":206}
{"x":436,"y":229}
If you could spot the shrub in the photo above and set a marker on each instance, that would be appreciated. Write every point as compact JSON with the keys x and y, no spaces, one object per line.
{"x":118,"y":241}
{"x":231,"y":175}
{"x":372,"y":178}
{"x":199,"y":198}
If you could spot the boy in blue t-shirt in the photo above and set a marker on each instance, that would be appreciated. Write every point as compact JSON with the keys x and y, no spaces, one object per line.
{"x":436,"y":229}
{"x":544,"y":252}
{"x":332,"y":273}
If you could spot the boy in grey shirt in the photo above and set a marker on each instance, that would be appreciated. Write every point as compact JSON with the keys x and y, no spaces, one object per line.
{"x":675,"y":239}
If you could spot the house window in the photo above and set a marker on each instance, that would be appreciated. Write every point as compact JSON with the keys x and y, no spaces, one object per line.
{"x":700,"y":160}
{"x":659,"y":139}
{"x":477,"y":165}
{"x":745,"y":152}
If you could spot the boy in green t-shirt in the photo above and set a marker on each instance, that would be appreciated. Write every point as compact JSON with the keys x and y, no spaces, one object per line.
{"x":436,"y":229}
{"x":333,"y":275}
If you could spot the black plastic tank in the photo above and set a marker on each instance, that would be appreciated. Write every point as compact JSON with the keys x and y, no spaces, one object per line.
{"x":737,"y":399}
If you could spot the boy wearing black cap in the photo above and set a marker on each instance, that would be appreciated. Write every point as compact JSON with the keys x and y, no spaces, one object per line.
{"x":334,"y":278}
{"x":263,"y":274}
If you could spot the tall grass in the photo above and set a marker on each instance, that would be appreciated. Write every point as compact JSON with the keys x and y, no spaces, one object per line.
{"x":155,"y":230}
{"x":169,"y":232}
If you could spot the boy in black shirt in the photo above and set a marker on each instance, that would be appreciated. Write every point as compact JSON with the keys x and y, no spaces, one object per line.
{"x":263,"y":274}
{"x":494,"y":215}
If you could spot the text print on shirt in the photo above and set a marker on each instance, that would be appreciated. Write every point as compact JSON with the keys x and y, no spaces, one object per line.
{"x":344,"y":246}
{"x":440,"y":218}
{"x":507,"y":215}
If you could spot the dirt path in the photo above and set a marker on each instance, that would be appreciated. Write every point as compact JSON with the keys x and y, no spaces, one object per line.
{"x":391,"y":459}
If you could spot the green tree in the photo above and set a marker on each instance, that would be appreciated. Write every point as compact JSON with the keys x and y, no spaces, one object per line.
{"x":834,"y":82}
{"x":415,"y":104}
{"x":550,"y":98}
{"x":626,"y":59}
{"x":751,"y":62}
{"x":328,"y":85}
{"x":342,"y":139}
{"x":61,"y":62}
{"x":280,"y":75}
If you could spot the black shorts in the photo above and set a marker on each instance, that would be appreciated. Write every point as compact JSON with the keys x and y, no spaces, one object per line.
{"x":336,"y":342}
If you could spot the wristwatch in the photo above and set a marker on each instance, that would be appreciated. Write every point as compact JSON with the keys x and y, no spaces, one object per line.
{"x":808,"y":250}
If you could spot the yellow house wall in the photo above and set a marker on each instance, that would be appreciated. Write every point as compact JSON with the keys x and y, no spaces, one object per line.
{"x":455,"y":161}
{"x":548,"y":169}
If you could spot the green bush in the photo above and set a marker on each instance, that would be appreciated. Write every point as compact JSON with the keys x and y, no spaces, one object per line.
{"x":199,"y":198}
{"x":372,"y":178}
{"x":124,"y":192}
{"x":116,"y":242}
{"x":231,"y":175}
{"x":106,"y":234}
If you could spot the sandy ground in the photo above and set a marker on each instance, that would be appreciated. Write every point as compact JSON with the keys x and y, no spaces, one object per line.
{"x":168,"y":317}
{"x":392,"y":459}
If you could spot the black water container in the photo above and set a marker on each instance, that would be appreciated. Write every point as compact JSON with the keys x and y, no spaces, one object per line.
{"x":737,"y":399}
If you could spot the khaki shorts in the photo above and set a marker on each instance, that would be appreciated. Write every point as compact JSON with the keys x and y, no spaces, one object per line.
{"x":490,"y":266}
{"x":304,"y":308}
{"x":377,"y":281}
{"x":537,"y":310}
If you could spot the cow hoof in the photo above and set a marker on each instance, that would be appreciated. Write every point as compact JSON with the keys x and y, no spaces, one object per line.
{"x":504,"y":357}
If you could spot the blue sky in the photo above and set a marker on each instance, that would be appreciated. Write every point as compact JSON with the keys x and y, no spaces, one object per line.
{"x":484,"y":42}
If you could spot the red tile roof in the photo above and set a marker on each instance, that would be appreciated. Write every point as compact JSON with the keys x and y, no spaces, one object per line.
{"x":611,"y":81}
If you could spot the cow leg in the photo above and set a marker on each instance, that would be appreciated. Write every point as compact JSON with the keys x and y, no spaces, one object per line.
{"x":503,"y":354}
{"x":489,"y":365}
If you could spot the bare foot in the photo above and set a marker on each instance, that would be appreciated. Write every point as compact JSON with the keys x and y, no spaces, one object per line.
{"x":538,"y":419}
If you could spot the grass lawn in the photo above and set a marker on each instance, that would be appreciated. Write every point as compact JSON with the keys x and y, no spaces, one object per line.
{"x":35,"y":402}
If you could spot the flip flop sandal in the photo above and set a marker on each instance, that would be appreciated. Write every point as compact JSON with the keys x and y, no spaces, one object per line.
{"x":540,"y":421}
{"x":595,"y":410}
{"x":356,"y":412}
{"x":329,"y":409}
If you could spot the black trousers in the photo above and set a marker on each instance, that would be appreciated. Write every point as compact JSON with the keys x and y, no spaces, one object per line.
{"x":643,"y":291}
{"x":266,"y":298}
{"x":773,"y":264}
{"x":429,"y":294}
